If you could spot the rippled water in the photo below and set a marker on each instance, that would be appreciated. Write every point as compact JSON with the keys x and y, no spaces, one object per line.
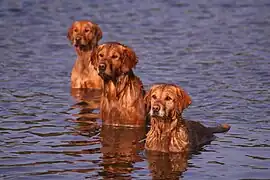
{"x":216,"y":50}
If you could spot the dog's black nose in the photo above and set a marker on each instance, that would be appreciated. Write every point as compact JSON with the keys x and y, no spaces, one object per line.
{"x":102,"y":67}
{"x":156,"y":108}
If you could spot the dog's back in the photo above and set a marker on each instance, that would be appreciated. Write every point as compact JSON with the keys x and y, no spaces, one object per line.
{"x":200,"y":135}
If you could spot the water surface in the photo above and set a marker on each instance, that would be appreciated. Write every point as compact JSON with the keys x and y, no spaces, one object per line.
{"x":218,"y":51}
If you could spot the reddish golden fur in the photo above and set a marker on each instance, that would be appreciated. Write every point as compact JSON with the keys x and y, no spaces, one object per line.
{"x":84,"y":36}
{"x":120,"y":148}
{"x":168,"y":166}
{"x":169,"y":131}
{"x":122,"y":98}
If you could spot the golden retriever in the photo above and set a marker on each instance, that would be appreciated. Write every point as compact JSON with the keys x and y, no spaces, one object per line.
{"x":84,"y":36}
{"x":169,"y":132}
{"x":122,"y":97}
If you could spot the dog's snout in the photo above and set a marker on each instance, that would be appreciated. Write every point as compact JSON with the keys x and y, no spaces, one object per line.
{"x":102,"y":67}
{"x":156,"y":108}
{"x":78,"y":38}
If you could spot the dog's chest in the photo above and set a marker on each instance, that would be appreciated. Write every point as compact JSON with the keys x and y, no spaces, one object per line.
{"x":162,"y":137}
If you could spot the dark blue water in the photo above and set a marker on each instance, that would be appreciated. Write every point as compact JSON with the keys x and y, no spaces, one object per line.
{"x":218,"y":51}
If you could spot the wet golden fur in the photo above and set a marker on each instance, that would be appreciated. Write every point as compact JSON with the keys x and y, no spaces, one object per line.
{"x":122,"y":98}
{"x":169,"y":131}
{"x":84,"y":36}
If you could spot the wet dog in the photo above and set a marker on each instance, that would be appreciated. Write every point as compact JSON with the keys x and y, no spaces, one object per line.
{"x":84,"y":36}
{"x":169,"y":132}
{"x":122,"y":97}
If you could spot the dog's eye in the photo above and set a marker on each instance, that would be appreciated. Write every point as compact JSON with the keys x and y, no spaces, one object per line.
{"x":114,"y":56}
{"x":100,"y":55}
{"x":168,"y":98}
{"x":154,"y":96}
{"x":75,"y":30}
{"x":86,"y":30}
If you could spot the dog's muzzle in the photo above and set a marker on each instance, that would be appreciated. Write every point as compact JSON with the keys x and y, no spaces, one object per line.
{"x":102,"y":68}
{"x":155,"y":110}
{"x":101,"y":72}
{"x":77,"y":41}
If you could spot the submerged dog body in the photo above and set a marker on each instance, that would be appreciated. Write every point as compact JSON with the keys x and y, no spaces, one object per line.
{"x":122,"y":98}
{"x":169,"y":132}
{"x":84,"y":36}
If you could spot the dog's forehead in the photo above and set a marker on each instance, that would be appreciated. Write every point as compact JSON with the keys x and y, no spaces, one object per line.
{"x":164,"y":90}
{"x":83,"y":24}
{"x":110,"y":47}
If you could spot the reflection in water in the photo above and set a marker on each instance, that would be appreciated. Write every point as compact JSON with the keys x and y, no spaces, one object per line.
{"x":86,"y":97}
{"x":86,"y":127}
{"x":166,"y":165}
{"x":120,"y":148}
{"x":88,"y":101}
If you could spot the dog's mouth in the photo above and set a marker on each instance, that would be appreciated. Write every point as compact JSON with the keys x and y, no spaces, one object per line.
{"x":160,"y":118}
{"x":155,"y":114}
{"x":79,"y":46}
{"x":160,"y":114}
{"x":164,"y":119}
{"x":104,"y":76}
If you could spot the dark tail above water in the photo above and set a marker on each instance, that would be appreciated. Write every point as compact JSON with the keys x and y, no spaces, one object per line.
{"x":220,"y":129}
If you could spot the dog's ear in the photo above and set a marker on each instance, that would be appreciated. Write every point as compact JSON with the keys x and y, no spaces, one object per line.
{"x":98,"y":32}
{"x":183,"y":100}
{"x":70,"y":31}
{"x":129,"y":59}
{"x":147,"y":100}
{"x":94,"y":57}
{"x":148,"y":96}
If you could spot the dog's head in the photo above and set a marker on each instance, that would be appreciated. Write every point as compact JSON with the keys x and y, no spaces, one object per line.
{"x":84,"y":34}
{"x":166,"y":100}
{"x":113,"y":59}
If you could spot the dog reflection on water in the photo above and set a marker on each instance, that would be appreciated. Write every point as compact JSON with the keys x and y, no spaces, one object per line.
{"x":167,"y":165}
{"x":87,"y":101}
{"x":86,"y":98}
{"x":120,"y":148}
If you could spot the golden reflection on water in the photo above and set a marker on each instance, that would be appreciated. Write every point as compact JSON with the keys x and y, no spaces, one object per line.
{"x":166,"y":165}
{"x":120,"y":148}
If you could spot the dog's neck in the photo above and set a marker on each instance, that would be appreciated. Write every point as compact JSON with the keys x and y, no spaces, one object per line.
{"x":84,"y":50}
{"x":84,"y":56}
{"x":114,"y":87}
{"x":167,"y":134}
{"x":122,"y":101}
